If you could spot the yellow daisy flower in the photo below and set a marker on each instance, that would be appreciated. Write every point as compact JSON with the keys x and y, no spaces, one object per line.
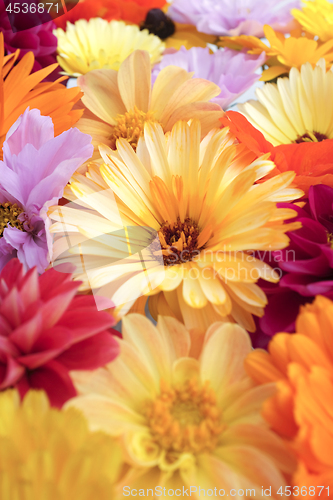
{"x":196,"y":211}
{"x":120,"y":103}
{"x":283,"y":52}
{"x":97,"y":43}
{"x":185,"y":411}
{"x":47,"y":454}
{"x":296,"y":109}
{"x":316,"y":17}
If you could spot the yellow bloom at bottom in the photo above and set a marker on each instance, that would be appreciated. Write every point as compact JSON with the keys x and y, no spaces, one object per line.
{"x":185,"y":410}
{"x":47,"y":454}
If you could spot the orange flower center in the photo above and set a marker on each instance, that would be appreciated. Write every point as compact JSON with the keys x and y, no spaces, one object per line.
{"x":311,"y":137}
{"x":179,"y":241}
{"x":130,"y":126}
{"x":185,"y":419}
{"x":9,"y":214}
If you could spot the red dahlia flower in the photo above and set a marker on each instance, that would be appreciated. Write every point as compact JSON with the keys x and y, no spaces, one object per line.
{"x":45,"y":331}
{"x":312,"y":161}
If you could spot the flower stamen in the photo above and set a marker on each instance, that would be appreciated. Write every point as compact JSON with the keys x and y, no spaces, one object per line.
{"x":130,"y":126}
{"x":179,"y":241}
{"x":9,"y":214}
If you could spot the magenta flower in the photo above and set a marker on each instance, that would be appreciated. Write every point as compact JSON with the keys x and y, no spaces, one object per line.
{"x":234,"y":17}
{"x":232,"y":71}
{"x":35,"y":169}
{"x":38,"y":39}
{"x":307,"y":265}
{"x":46,"y":331}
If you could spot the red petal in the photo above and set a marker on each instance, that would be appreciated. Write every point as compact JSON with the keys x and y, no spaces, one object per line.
{"x":85,"y":322}
{"x":91,"y":353}
{"x":54,"y":379}
{"x":12,"y":373}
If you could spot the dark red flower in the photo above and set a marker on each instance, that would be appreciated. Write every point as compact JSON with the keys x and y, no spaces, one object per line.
{"x":46,"y":331}
{"x":306,"y":265}
{"x":38,"y":39}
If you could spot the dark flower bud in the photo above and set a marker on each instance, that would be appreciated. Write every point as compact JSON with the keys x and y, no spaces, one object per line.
{"x":159,"y":24}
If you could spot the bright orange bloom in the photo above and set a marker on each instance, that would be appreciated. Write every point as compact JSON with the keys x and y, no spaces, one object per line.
{"x":312,"y":161}
{"x":302,"y":409}
{"x":283,"y":52}
{"x":132,"y":11}
{"x":20,"y":89}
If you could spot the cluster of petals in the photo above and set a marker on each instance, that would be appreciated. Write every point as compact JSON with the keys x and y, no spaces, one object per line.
{"x":234,"y":72}
{"x":170,"y":179}
{"x":46,"y":453}
{"x":234,"y":17}
{"x":184,"y":410}
{"x":46,"y":331}
{"x":316,"y":18}
{"x":283,"y":52}
{"x":301,"y":412}
{"x":20,"y":89}
{"x":35,"y":169}
{"x":307,"y":263}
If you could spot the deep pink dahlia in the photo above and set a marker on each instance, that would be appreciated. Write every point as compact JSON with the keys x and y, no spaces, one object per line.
{"x":30,"y":32}
{"x":306,"y":265}
{"x":46,"y":331}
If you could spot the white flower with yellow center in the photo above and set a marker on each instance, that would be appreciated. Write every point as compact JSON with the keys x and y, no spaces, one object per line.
{"x":296,"y":109}
{"x":196,"y":207}
{"x":97,"y":43}
{"x":185,"y":410}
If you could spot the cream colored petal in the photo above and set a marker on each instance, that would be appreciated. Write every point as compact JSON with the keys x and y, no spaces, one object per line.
{"x":249,"y":404}
{"x":222,"y":361}
{"x":175,"y":337}
{"x":101,"y":94}
{"x":134,"y":81}
{"x":105,"y":415}
{"x":167,"y":82}
{"x":207,"y":113}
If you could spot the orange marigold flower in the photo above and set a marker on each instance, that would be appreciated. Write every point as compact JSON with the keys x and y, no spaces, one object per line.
{"x":133,"y":11}
{"x":302,"y":409}
{"x":20,"y":89}
{"x":312,"y":161}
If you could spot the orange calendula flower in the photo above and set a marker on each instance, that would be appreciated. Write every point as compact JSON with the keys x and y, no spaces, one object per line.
{"x":20,"y":89}
{"x":301,"y":412}
{"x":185,"y":410}
{"x":283,"y":53}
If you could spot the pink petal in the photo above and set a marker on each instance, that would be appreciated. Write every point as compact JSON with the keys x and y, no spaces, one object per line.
{"x":91,"y":353}
{"x":12,"y":373}
{"x":85,"y":322}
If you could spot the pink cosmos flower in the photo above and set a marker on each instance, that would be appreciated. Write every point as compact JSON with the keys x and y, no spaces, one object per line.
{"x":35,"y":169}
{"x":45,"y":331}
{"x":232,"y":71}
{"x":234,"y":17}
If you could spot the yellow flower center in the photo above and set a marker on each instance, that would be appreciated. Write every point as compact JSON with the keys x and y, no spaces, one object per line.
{"x":179,"y":241}
{"x":311,"y":137}
{"x":9,"y":214}
{"x":185,"y":419}
{"x":130,"y":126}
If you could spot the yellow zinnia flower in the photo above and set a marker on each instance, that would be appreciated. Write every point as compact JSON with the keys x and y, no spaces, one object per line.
{"x":47,"y":454}
{"x":197,"y":211}
{"x":316,"y":17}
{"x":296,"y":109}
{"x":185,"y":411}
{"x":283,"y":52}
{"x":120,"y":103}
{"x":97,"y":43}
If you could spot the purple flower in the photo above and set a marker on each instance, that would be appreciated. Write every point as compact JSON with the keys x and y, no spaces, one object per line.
{"x":35,"y":169}
{"x":232,"y":71}
{"x":38,"y":39}
{"x":234,"y":17}
{"x":306,"y":265}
